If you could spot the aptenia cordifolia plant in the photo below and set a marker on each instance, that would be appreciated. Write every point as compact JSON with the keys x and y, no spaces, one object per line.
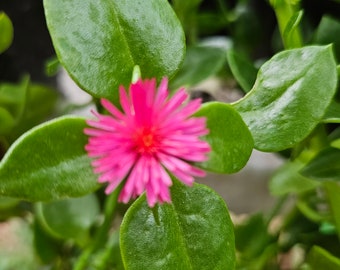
{"x":115,"y":190}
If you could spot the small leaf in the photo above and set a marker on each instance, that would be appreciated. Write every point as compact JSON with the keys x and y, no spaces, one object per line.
{"x":200,"y":62}
{"x":324,"y":166}
{"x":48,"y":162}
{"x":291,"y":28}
{"x":66,"y":219}
{"x":328,"y":32}
{"x":319,"y":258}
{"x":6,"y":32}
{"x":287,"y":179}
{"x":194,"y":232}
{"x":290,"y":96}
{"x":243,"y":70}
{"x":230,"y":140}
{"x":99,"y":44}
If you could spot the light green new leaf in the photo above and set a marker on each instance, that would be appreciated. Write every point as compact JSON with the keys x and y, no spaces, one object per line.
{"x":319,"y":258}
{"x":193,"y":232}
{"x":48,"y":162}
{"x":287,"y":179}
{"x":6,"y":32}
{"x":290,"y":96}
{"x":100,"y":43}
{"x":229,"y":138}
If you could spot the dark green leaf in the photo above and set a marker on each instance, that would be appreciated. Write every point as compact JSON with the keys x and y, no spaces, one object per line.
{"x":243,"y":70}
{"x":40,"y":103}
{"x":319,"y":258}
{"x":200,"y":63}
{"x":48,"y":162}
{"x":324,"y":166}
{"x":328,"y":32}
{"x":291,"y":94}
{"x":6,"y":32}
{"x":70,"y":218}
{"x":332,"y":114}
{"x":229,"y":138}
{"x":287,"y":179}
{"x":99,"y":44}
{"x":12,"y":104}
{"x":194,"y":232}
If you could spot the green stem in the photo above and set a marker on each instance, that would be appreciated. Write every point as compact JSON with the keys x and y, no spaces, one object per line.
{"x":102,"y":233}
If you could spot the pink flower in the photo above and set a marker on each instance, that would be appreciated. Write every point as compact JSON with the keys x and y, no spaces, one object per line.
{"x":151,"y":136}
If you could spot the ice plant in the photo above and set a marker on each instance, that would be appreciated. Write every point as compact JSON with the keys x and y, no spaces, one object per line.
{"x":153,"y":134}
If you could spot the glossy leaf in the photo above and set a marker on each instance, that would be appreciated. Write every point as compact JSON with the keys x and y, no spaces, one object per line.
{"x":319,"y":258}
{"x":6,"y":32}
{"x":291,"y":94}
{"x":243,"y":70}
{"x":200,"y":62}
{"x":324,"y":166}
{"x":287,"y":179}
{"x":229,"y":138}
{"x":100,"y":44}
{"x":48,"y":162}
{"x":194,"y":232}
{"x":67,"y":219}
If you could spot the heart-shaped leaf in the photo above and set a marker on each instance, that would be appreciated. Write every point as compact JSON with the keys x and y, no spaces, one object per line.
{"x":48,"y":162}
{"x":291,"y":94}
{"x":99,"y":44}
{"x":194,"y":232}
{"x":229,"y":137}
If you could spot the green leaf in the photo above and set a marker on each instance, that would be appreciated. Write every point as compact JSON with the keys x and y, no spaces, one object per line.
{"x":328,"y":32}
{"x":287,"y":179}
{"x":40,"y":103}
{"x":333,"y":190}
{"x":66,"y":219}
{"x":243,"y":70}
{"x":291,"y":94}
{"x":319,"y":258}
{"x":200,"y":62}
{"x":12,"y":104}
{"x":48,"y":162}
{"x":99,"y":44}
{"x":6,"y":32}
{"x":324,"y":166}
{"x":230,"y":140}
{"x":194,"y":232}
{"x":332,"y":115}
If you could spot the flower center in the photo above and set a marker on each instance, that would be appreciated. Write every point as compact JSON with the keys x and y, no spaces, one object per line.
{"x":146,"y":141}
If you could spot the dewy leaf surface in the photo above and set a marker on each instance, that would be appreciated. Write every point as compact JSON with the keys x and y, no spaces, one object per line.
{"x":48,"y":162}
{"x":100,"y":44}
{"x":194,"y":232}
{"x":291,"y":94}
